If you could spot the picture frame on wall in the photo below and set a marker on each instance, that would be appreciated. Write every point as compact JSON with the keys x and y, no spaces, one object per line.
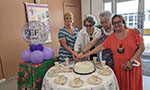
{"x":39,"y":12}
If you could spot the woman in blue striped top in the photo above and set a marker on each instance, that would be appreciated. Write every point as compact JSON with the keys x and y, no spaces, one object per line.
{"x":67,"y":37}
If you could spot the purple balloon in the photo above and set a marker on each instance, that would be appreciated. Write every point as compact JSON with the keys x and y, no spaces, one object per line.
{"x":40,"y":47}
{"x":33,"y":47}
{"x":25,"y":56}
{"x":48,"y":53}
{"x":36,"y":57}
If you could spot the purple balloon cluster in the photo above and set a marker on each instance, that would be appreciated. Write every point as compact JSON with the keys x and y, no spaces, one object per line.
{"x":37,"y":53}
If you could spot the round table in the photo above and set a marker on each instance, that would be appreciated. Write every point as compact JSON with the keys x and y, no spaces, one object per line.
{"x":109,"y":82}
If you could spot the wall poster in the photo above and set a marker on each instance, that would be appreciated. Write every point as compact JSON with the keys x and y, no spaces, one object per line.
{"x":39,"y":12}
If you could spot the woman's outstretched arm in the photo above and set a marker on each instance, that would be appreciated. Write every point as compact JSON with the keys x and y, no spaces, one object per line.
{"x":94,"y":51}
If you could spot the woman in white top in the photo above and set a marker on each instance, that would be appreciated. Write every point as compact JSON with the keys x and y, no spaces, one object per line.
{"x":106,"y":30}
{"x":86,"y":34}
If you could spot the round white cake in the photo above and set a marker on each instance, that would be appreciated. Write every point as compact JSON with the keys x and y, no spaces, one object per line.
{"x":84,"y":67}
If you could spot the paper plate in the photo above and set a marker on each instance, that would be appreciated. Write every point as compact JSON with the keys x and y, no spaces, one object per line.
{"x":66,"y":69}
{"x":105,"y":72}
{"x":94,"y":80}
{"x":76,"y":83}
{"x":61,"y":80}
{"x":52,"y":74}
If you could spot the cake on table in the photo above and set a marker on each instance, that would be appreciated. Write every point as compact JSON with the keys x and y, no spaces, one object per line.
{"x":84,"y":67}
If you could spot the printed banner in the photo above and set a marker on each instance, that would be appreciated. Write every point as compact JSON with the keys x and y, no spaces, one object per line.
{"x":39,"y":12}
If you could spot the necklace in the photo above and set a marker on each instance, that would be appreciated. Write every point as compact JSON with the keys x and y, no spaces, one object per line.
{"x":120,"y":49}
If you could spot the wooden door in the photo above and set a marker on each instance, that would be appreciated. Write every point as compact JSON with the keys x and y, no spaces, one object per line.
{"x":76,"y":10}
{"x":1,"y":69}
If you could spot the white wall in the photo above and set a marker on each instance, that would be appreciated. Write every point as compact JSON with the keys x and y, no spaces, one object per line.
{"x":97,"y":7}
{"x":85,"y":6}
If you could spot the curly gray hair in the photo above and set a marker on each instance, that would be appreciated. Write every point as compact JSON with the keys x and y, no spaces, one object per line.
{"x":90,"y":19}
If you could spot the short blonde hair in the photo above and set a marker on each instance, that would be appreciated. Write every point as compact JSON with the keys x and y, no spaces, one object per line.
{"x":68,"y":14}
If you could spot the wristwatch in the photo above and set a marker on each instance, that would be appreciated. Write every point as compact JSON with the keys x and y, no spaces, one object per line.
{"x":132,"y":62}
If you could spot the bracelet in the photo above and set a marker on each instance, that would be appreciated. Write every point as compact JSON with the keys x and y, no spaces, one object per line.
{"x":83,"y":52}
{"x":135,"y":63}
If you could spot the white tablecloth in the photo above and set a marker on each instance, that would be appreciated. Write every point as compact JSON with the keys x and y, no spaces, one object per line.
{"x":108,"y":82}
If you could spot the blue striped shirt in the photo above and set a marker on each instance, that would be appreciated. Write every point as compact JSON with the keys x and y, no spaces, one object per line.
{"x":63,"y":33}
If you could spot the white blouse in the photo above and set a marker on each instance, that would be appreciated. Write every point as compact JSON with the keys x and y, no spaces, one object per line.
{"x":83,"y":38}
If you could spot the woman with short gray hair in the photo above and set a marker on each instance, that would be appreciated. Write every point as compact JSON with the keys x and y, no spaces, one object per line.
{"x":86,"y":34}
{"x":106,"y":30}
{"x":106,"y":14}
{"x":91,"y":19}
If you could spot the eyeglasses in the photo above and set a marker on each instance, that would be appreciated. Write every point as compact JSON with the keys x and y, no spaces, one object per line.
{"x":103,"y":22}
{"x":89,"y":25}
{"x":117,"y":22}
{"x":68,"y":18}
